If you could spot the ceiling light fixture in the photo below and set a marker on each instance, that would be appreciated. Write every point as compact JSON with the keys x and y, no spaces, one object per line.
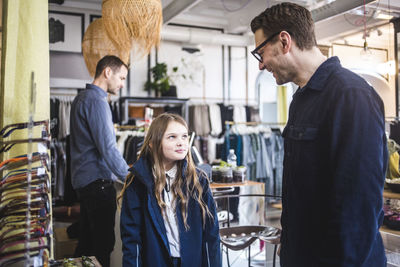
{"x":365,"y":52}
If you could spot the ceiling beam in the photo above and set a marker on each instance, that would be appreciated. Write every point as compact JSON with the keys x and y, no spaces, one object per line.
{"x":177,"y":7}
{"x":336,"y":7}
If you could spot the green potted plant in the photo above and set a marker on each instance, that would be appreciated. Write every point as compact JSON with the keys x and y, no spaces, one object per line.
{"x":161,"y":81}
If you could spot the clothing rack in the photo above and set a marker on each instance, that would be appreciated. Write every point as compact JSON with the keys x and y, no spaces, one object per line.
{"x":270,"y":173}
{"x":125,"y":101}
{"x":254,"y":123}
{"x":55,"y":92}
{"x":129,"y":127}
{"x":228,"y":124}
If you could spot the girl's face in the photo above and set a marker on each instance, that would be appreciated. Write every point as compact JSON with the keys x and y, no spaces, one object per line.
{"x":174,"y":144}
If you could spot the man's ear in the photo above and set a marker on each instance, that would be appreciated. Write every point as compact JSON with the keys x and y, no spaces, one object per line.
{"x":107,"y":72}
{"x":286,"y":41}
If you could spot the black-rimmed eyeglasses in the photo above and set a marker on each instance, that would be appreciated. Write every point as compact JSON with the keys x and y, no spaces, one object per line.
{"x":255,"y":53}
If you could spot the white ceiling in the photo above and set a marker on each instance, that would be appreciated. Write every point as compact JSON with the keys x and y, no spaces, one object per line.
{"x":335,"y":19}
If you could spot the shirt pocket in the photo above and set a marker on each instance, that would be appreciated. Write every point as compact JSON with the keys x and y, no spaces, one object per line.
{"x":303,"y":154}
{"x":301,"y":133}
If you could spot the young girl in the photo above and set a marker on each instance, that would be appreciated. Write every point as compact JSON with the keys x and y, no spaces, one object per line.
{"x":168,"y":215}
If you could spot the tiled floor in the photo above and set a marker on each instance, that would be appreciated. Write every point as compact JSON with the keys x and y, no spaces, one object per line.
{"x":240,"y":258}
{"x":392,"y":246}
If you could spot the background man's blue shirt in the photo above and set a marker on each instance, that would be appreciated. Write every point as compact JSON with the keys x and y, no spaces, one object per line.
{"x":94,"y":154}
{"x":334,"y":169}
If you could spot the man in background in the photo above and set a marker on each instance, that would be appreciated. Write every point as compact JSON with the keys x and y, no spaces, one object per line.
{"x":335,"y":148}
{"x":94,"y":158}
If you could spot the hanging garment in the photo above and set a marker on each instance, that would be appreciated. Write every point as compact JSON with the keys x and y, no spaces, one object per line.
{"x":239,"y":113}
{"x":215,"y":119}
{"x":395,"y":131}
{"x":393,"y":171}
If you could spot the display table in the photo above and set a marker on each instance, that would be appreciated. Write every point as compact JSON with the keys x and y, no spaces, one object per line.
{"x":387,"y":193}
{"x":384,"y":228}
{"x":77,"y":262}
{"x":227,"y":185}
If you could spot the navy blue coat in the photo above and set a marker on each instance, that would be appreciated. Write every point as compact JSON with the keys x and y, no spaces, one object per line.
{"x":143,"y":233}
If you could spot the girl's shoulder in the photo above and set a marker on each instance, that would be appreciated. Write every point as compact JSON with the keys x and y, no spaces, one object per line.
{"x":136,"y":183}
{"x":203,"y":177}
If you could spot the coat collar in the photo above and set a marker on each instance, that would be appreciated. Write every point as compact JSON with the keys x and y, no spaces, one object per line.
{"x":321,"y":75}
{"x":100,"y":91}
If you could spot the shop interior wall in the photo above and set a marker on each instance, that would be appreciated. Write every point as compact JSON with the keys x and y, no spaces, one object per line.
{"x":382,"y":50}
{"x":232,"y":80}
{"x":205,"y":70}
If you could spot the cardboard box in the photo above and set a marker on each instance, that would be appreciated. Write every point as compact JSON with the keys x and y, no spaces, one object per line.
{"x":64,"y":246}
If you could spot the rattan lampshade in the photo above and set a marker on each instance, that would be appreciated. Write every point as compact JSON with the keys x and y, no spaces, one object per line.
{"x":96,"y":45}
{"x":129,"y":22}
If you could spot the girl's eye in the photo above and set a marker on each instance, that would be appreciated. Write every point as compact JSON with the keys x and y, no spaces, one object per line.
{"x":171,"y":137}
{"x":185,"y":136}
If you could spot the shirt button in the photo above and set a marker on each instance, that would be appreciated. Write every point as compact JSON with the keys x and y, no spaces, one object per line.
{"x":102,"y":187}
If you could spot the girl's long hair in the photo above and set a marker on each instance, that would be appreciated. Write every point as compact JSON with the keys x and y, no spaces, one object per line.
{"x":183,"y":189}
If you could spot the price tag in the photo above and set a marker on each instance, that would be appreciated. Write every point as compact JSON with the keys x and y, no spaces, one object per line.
{"x":42,"y":149}
{"x":41,"y":171}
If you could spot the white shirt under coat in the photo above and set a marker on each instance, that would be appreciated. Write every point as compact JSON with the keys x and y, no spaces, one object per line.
{"x":169,"y":215}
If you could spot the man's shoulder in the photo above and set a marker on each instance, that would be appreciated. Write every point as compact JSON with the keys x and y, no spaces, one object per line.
{"x":345,"y":79}
{"x":87,"y":97}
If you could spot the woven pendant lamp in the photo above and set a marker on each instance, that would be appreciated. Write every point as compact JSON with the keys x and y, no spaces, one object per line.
{"x":96,"y":45}
{"x":133,"y":24}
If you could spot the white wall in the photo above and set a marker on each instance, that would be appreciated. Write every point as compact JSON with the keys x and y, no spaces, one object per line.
{"x":252,"y":66}
{"x":350,"y":58}
{"x":238,"y":84}
{"x":204,"y":70}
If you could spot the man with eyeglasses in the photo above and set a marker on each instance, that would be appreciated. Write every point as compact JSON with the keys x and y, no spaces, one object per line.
{"x":335,"y":148}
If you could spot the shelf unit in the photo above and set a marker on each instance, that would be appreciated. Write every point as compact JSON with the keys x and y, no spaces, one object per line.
{"x":125,"y":101}
{"x":387,"y":193}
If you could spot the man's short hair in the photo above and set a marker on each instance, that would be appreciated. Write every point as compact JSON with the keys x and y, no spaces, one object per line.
{"x":113,"y":62}
{"x":290,"y":17}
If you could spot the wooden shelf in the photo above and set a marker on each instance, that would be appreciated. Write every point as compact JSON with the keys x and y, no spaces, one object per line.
{"x":387,"y":193}
{"x":277,"y":206}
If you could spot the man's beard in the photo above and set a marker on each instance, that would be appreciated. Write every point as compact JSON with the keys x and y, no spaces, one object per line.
{"x":111,"y":92}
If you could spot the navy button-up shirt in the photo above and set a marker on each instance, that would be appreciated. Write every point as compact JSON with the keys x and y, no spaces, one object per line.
{"x":334,"y":169}
{"x":94,"y":153}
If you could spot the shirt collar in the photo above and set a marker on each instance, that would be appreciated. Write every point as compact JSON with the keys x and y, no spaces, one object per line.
{"x":172,"y":172}
{"x":97,"y":89}
{"x":321,"y":75}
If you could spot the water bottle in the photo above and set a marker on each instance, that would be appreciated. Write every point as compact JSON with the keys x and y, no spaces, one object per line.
{"x":231,"y":160}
